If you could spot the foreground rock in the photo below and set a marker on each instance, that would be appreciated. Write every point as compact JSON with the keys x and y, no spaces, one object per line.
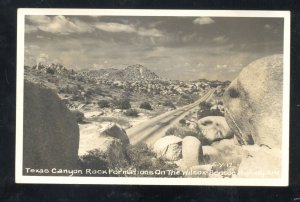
{"x":169,"y":148}
{"x":111,"y":141}
{"x":214,"y":128}
{"x":51,"y":133}
{"x":253,"y":103}
{"x":260,"y":163}
{"x":115,"y":131}
{"x":253,"y":109}
{"x":192,"y":153}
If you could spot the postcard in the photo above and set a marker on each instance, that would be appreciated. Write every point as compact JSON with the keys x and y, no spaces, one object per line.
{"x":153,"y":97}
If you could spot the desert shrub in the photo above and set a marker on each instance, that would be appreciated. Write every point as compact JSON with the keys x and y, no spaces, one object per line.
{"x":78,"y":115}
{"x":143,"y":158}
{"x":131,"y":112}
{"x":122,"y":103}
{"x":103,"y":103}
{"x":208,"y":112}
{"x":205,"y":105}
{"x":182,"y":132}
{"x":169,"y":103}
{"x":182,"y":122}
{"x":89,"y":92}
{"x":94,"y":159}
{"x":220,"y":102}
{"x":126,"y":94}
{"x":185,"y":96}
{"x":69,"y":89}
{"x":146,"y":105}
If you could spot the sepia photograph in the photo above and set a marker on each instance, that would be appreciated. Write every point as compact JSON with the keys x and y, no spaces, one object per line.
{"x":153,"y":97}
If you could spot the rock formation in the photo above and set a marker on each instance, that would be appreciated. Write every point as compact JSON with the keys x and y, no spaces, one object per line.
{"x":192,"y":153}
{"x":51,"y":133}
{"x":253,"y":109}
{"x":168,"y":147}
{"x":214,"y":128}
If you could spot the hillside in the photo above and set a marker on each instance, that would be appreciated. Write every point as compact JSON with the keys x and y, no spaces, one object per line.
{"x":131,"y":73}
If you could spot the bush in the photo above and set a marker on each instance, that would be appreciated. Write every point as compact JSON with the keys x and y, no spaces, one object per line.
{"x":143,"y":158}
{"x":131,"y":112}
{"x":186,"y":96}
{"x":205,"y":105}
{"x":146,"y":105}
{"x":140,"y":157}
{"x":169,"y":103}
{"x":103,"y":103}
{"x":94,"y":159}
{"x":122,"y":103}
{"x":78,"y":115}
{"x":182,"y":132}
{"x":182,"y":122}
{"x":69,"y":89}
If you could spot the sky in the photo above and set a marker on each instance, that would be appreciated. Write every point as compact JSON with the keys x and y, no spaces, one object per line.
{"x":181,"y":48}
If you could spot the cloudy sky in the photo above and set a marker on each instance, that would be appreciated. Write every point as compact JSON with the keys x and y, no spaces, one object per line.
{"x":183,"y":48}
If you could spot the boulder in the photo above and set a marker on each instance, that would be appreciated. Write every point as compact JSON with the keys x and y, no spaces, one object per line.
{"x":116,"y":131}
{"x":192,"y":153}
{"x":261,"y":162}
{"x":229,"y":152}
{"x":214,"y":128}
{"x":168,"y":147}
{"x":253,"y":103}
{"x":210,"y":154}
{"x":51,"y":133}
{"x":253,"y":109}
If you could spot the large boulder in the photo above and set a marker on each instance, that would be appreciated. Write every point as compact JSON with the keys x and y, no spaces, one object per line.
{"x":51,"y":133}
{"x":261,"y":162}
{"x":115,"y":131}
{"x":253,"y":109}
{"x":214,"y":128}
{"x":253,"y":103}
{"x":168,"y":147}
{"x":192,"y":153}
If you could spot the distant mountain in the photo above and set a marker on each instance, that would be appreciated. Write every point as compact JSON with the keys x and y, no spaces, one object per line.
{"x":131,"y":73}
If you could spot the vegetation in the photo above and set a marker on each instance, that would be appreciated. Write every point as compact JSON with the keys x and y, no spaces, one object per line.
{"x":205,"y":105}
{"x":94,"y":159}
{"x":131,"y":112}
{"x":122,"y":103}
{"x":143,"y":158}
{"x":103,"y":103}
{"x":140,"y":157}
{"x":169,"y":103}
{"x":183,"y":131}
{"x":146,"y":105}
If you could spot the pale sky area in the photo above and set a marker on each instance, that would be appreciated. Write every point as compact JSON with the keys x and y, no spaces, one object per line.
{"x":183,"y":48}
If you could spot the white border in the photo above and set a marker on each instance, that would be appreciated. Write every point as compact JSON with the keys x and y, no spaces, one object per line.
{"x":283,"y":181}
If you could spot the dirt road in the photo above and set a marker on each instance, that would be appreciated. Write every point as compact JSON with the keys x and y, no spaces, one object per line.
{"x":153,"y":129}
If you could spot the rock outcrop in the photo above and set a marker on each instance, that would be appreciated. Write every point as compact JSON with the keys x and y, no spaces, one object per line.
{"x":168,"y":147}
{"x":115,"y":131}
{"x":253,"y":103}
{"x":214,"y":128}
{"x":51,"y":133}
{"x":192,"y":154}
{"x":253,"y":109}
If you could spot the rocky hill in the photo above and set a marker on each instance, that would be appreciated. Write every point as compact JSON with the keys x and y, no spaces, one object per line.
{"x":131,"y":73}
